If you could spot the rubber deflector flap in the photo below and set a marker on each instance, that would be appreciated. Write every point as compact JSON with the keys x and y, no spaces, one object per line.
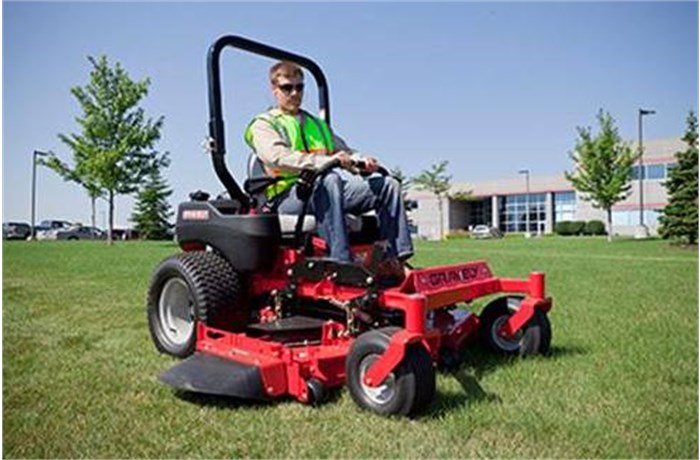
{"x":205,"y":373}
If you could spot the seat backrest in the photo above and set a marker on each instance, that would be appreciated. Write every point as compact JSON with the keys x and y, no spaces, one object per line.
{"x":256,"y":170}
{"x":255,"y":167}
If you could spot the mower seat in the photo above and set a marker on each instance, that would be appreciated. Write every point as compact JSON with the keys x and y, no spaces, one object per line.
{"x":288,"y":222}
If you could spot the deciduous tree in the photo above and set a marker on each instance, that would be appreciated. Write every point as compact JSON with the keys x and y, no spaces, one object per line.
{"x":115,"y":148}
{"x":437,"y":181}
{"x":603,"y":166}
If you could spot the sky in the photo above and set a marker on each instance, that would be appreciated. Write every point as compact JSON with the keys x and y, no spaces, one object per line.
{"x":491,"y":87}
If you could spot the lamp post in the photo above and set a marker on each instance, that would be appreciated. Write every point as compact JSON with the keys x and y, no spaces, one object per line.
{"x":642,"y":231}
{"x":34,"y":155}
{"x":527,"y":201}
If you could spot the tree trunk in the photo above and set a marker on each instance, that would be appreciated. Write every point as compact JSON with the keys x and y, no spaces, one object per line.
{"x":610,"y":227}
{"x":442,"y":231}
{"x":92,"y":217}
{"x":111,"y":217}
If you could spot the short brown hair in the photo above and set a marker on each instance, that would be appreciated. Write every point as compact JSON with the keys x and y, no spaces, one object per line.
{"x":285,"y":69}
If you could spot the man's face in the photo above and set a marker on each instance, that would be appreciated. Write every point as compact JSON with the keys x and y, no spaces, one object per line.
{"x":289,"y":93}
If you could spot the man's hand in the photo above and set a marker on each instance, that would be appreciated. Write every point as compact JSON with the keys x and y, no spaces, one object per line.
{"x":345,"y":159}
{"x":371,"y":165}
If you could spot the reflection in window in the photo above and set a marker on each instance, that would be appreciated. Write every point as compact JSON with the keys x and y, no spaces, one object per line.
{"x":513,"y":212}
{"x":635,"y":173}
{"x":631,"y":217}
{"x":564,"y":206}
{"x":656,"y":171}
{"x":652,"y":172}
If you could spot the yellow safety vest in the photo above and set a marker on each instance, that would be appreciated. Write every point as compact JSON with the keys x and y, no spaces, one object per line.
{"x":313,"y":138}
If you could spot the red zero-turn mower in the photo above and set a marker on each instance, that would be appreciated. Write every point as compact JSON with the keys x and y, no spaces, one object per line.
{"x":259,"y":312}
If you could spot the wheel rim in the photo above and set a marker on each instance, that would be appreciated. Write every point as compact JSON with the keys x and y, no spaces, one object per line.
{"x":510,"y":345}
{"x":382,"y":393}
{"x":176,"y":312}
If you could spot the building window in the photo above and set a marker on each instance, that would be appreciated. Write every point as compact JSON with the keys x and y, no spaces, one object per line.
{"x":624,"y":218}
{"x":480,"y":212}
{"x":651,"y":217}
{"x":635,"y":173}
{"x":652,"y":172}
{"x":513,"y":212}
{"x":564,"y":206}
{"x":656,"y":172}
{"x":631,"y":218}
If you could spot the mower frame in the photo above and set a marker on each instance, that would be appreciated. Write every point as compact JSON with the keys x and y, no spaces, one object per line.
{"x":292,"y":272}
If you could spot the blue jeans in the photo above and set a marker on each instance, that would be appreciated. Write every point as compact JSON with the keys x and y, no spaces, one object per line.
{"x":340,"y":192}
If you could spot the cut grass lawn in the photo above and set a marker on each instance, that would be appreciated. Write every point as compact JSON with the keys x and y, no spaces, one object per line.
{"x":79,"y":369}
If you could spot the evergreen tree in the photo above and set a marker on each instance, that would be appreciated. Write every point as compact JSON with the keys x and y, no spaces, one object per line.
{"x":603,"y":166}
{"x":437,"y":181}
{"x":114,"y":152}
{"x":680,"y":216}
{"x":152,"y":211}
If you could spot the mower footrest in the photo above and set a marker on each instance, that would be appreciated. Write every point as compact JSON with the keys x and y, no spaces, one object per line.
{"x":205,"y":373}
{"x":291,"y":329}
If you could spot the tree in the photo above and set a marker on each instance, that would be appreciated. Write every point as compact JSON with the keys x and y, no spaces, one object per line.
{"x":680,"y":216}
{"x":436,"y":181}
{"x":114,"y":151}
{"x":152,"y":212}
{"x":463,"y":195}
{"x":603,"y":166}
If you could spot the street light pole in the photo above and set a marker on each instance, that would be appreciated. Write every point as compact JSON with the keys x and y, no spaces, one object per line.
{"x":642,"y":231}
{"x":34,"y":155}
{"x":527,"y":201}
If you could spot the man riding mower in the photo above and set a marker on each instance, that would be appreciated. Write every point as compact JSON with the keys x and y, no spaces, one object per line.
{"x":264,"y":304}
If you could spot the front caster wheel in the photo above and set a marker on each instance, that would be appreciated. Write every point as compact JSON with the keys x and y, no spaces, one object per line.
{"x":406,"y":391}
{"x":317,"y":391}
{"x":533,"y":338}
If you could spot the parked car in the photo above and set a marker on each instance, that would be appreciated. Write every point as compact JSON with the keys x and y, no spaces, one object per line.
{"x":480,"y":232}
{"x":46,"y":230}
{"x":80,"y":233}
{"x":16,"y":231}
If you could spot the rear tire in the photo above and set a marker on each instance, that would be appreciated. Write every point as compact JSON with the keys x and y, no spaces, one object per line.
{"x":191,"y":287}
{"x":406,"y":391}
{"x":534,"y":338}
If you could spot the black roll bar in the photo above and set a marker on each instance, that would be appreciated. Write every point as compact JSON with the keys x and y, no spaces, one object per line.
{"x":216,"y":119}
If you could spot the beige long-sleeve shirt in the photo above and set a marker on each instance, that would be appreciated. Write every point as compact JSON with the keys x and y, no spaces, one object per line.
{"x":275,"y":152}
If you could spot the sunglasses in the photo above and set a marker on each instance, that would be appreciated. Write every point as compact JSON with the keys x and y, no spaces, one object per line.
{"x":287,"y":88}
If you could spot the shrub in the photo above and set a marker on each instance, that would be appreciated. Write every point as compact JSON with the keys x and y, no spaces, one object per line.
{"x":594,"y":227}
{"x":578,"y":227}
{"x":563,"y":228}
{"x":570,"y":227}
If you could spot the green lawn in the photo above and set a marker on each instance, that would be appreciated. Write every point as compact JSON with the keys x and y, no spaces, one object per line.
{"x":79,"y":373}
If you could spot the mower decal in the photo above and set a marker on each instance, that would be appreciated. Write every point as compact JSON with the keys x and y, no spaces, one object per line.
{"x":195,"y":214}
{"x":443,"y":277}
